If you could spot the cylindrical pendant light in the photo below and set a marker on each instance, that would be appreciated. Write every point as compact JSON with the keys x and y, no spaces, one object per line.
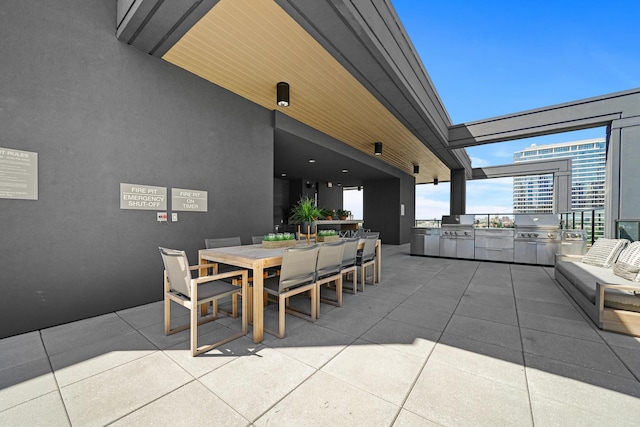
{"x":282,"y":94}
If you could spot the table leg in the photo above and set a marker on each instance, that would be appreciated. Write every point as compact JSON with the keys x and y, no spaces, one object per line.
{"x":204,"y":308}
{"x":258,"y":305}
{"x":378,"y":261}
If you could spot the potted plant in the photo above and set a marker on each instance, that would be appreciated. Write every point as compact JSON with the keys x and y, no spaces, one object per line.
{"x":343,"y":214}
{"x":326,"y":213}
{"x":305,"y":212}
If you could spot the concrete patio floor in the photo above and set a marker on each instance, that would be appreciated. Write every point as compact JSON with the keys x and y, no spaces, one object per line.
{"x":437,"y":342}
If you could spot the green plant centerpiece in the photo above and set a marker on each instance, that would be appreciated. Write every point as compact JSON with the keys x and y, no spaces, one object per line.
{"x":327,"y":235}
{"x":343,"y":214}
{"x":279,"y":240}
{"x":305,"y":212}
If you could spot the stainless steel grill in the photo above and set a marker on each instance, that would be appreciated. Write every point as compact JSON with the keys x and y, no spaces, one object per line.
{"x":537,"y":239}
{"x":574,"y":242}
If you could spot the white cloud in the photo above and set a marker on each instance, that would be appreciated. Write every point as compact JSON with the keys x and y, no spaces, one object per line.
{"x":478,"y":162}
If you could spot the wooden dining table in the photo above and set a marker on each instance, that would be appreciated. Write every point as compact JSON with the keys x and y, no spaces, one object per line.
{"x":257,"y":259}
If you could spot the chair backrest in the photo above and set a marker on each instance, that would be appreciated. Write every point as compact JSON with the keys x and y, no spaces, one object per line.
{"x":222,"y":242}
{"x":329,"y":259}
{"x":369,"y":249}
{"x":177,"y":268}
{"x":350,"y":252}
{"x":376,"y":234}
{"x":298,"y":266}
{"x":257,"y":239}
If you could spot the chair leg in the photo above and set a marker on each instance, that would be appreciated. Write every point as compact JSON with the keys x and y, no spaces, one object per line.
{"x":234,"y":305}
{"x":194,"y":329}
{"x":315,"y":302}
{"x":282,"y":304}
{"x":338,"y":291}
{"x":167,"y":315}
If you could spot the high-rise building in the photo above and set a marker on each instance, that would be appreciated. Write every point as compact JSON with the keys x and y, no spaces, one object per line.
{"x":534,"y":193}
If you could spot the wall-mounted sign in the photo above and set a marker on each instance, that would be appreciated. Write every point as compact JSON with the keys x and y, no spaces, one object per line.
{"x":145,"y":197}
{"x":18,"y":174}
{"x":189,"y":200}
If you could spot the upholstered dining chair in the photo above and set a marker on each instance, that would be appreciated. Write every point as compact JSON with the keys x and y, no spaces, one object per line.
{"x":328,"y":271}
{"x":181,"y":288}
{"x":348,"y":265}
{"x":297,"y":276}
{"x":257,"y":239}
{"x":367,"y":258}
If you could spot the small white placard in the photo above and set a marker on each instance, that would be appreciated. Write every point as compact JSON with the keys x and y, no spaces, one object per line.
{"x":18,"y":174}
{"x":401,"y":209}
{"x":189,"y":200}
{"x":143,"y":197}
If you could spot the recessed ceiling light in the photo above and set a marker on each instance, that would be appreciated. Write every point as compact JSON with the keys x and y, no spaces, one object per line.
{"x":312,"y":160}
{"x":345,"y":170}
{"x":283,"y":174}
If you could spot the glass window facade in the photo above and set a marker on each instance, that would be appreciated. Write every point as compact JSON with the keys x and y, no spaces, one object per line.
{"x":534,"y":194}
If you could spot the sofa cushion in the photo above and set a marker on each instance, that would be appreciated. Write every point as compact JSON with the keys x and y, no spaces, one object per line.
{"x":584,"y":277}
{"x":629,"y":260}
{"x":604,"y":252}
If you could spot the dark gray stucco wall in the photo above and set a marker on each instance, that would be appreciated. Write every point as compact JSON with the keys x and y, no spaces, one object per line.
{"x":98,"y":113}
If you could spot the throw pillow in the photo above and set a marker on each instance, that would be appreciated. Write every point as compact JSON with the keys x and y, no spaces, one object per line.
{"x":626,"y":271}
{"x":631,"y":255}
{"x":604,"y":252}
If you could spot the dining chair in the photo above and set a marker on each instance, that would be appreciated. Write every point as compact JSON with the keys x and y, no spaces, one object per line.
{"x":268,"y":272}
{"x":223,"y":242}
{"x":348,"y":265}
{"x":328,"y":271}
{"x":181,"y":288}
{"x":367,"y":258}
{"x":297,"y":276}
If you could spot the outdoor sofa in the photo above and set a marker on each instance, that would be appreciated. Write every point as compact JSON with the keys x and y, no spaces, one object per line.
{"x":605,"y":283}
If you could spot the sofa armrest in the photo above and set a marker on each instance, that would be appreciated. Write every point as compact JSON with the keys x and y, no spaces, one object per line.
{"x":600,"y":287}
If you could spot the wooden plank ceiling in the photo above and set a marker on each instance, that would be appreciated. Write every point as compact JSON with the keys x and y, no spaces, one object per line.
{"x":249,"y":46}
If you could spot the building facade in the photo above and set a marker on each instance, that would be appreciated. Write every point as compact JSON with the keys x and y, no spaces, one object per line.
{"x":534,"y":194}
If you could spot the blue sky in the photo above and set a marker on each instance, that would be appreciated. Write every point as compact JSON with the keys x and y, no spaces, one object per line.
{"x":489,"y":58}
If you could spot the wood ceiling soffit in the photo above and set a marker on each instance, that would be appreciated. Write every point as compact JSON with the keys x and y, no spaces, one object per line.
{"x":247,"y":47}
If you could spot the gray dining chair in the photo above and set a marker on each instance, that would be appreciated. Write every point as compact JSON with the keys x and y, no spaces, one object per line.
{"x":223,"y":242}
{"x":257,"y":239}
{"x":348,"y":265}
{"x":367,"y":259}
{"x":328,"y":271}
{"x":297,"y":276}
{"x":181,"y":288}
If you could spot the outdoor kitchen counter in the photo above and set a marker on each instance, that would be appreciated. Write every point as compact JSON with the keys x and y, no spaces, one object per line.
{"x":496,"y":244}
